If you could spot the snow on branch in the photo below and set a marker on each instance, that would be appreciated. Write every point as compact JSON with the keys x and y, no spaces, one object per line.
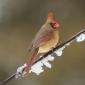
{"x":37,"y":66}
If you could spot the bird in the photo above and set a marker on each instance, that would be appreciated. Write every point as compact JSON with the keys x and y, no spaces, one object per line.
{"x":45,"y":40}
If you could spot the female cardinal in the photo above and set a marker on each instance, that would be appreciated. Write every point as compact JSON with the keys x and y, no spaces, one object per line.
{"x":46,"y":39}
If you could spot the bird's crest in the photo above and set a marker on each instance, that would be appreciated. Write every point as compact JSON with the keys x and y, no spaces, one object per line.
{"x":50,"y":17}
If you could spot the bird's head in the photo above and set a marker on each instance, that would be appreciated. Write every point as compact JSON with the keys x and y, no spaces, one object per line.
{"x":51,"y":20}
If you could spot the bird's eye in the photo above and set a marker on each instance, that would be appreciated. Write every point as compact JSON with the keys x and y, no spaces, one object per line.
{"x":54,"y":25}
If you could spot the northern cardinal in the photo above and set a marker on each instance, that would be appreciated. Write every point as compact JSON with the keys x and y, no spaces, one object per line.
{"x":46,"y":39}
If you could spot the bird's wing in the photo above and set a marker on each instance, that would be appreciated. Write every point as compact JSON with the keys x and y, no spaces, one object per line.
{"x":42,"y":37}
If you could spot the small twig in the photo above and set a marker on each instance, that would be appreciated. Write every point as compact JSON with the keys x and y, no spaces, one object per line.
{"x":8,"y":79}
{"x":48,"y":53}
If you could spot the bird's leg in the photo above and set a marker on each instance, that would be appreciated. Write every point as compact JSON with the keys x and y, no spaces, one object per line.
{"x":59,"y":43}
{"x":52,"y":49}
{"x":30,"y":61}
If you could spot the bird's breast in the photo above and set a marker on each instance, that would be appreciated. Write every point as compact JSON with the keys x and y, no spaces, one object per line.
{"x":50,"y":44}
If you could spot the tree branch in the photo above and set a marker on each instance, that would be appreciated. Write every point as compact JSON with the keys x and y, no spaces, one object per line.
{"x":48,"y":53}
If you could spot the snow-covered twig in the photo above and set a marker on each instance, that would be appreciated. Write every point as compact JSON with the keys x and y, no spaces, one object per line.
{"x":37,"y":66}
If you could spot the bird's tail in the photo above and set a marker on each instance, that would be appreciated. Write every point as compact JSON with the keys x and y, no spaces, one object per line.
{"x":30,"y":61}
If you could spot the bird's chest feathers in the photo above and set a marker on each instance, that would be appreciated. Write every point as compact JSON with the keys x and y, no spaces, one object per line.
{"x":50,"y":44}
